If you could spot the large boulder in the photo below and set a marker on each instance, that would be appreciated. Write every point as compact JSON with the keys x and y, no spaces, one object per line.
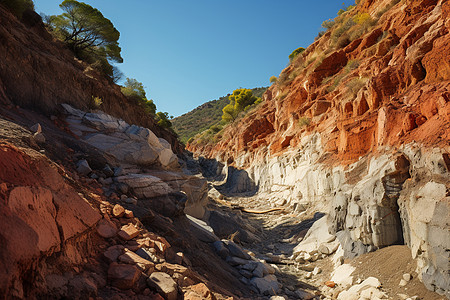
{"x":145,"y":186}
{"x":127,"y":143}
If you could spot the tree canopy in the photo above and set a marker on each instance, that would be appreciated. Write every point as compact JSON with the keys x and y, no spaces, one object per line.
{"x":163,"y":119}
{"x":240,"y":100}
{"x":90,"y":35}
{"x":134,"y":89}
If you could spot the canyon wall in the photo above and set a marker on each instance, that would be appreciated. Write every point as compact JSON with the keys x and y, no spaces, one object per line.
{"x":39,"y":72}
{"x":361,"y":131}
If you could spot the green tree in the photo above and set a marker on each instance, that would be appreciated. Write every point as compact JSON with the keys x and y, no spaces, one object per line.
{"x":90,"y":35}
{"x":240,"y":100}
{"x":134,"y":90}
{"x":163,"y":119}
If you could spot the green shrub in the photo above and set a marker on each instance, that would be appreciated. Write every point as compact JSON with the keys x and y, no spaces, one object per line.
{"x":319,"y":35}
{"x":295,"y":53}
{"x":162,"y":119}
{"x":17,"y":7}
{"x":215,"y":128}
{"x":341,"y":29}
{"x":241,"y":100}
{"x":336,"y":82}
{"x":304,"y":121}
{"x":355,"y":85}
{"x":351,"y":65}
{"x":273,"y":79}
{"x":328,"y":24}
{"x":96,"y":102}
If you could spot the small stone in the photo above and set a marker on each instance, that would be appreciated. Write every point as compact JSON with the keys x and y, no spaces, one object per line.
{"x":130,"y":257}
{"x":315,"y":256}
{"x":308,"y":275}
{"x":83,"y":167}
{"x":246,"y":273}
{"x":273,"y":258}
{"x":202,"y":290}
{"x":118,"y":171}
{"x":307,"y":268}
{"x":235,"y":261}
{"x":307,"y":256}
{"x":330,"y":284}
{"x":221,"y":249}
{"x":128,"y":232}
{"x":407,"y":277}
{"x":172,"y":269}
{"x":39,"y":137}
{"x":36,"y":128}
{"x":250,"y":266}
{"x":164,"y":284}
{"x":324,"y":249}
{"x":235,"y":250}
{"x":259,"y":270}
{"x":129,"y":214}
{"x":179,"y":258}
{"x":113,"y":252}
{"x":316,"y":271}
{"x":108,"y":171}
{"x":118,"y":211}
{"x":266,"y":285}
{"x":304,"y":295}
{"x":106,"y":229}
{"x":403,"y":282}
{"x":131,"y":201}
{"x":123,"y":276}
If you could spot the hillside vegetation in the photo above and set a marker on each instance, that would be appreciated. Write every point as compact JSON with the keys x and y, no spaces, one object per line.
{"x":204,"y":116}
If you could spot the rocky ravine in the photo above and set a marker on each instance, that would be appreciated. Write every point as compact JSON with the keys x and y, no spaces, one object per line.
{"x":83,"y":216}
{"x":377,"y":163}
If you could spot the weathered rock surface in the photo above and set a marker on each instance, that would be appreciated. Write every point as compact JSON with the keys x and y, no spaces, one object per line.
{"x":61,"y":79}
{"x":164,"y":284}
{"x":123,"y":276}
{"x":41,"y":213}
{"x":127,"y":143}
{"x":376,"y":162}
{"x":145,"y":186}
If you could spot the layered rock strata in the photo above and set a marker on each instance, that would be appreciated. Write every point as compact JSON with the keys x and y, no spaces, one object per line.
{"x":360,"y":131}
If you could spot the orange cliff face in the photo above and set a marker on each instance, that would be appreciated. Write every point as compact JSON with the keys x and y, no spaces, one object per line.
{"x":390,"y":86}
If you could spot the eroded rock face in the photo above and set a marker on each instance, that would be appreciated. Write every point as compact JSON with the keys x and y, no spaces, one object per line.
{"x":41,"y":215}
{"x":29,"y":49}
{"x":372,"y":159}
{"x":127,"y":143}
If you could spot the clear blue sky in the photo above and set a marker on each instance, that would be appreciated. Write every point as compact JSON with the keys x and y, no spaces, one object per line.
{"x":189,"y":52}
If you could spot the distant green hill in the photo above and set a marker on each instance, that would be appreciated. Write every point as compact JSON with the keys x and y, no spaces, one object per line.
{"x":203,"y":117}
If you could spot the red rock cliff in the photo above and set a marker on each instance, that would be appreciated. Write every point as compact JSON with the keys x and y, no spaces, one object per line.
{"x":390,"y":86}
